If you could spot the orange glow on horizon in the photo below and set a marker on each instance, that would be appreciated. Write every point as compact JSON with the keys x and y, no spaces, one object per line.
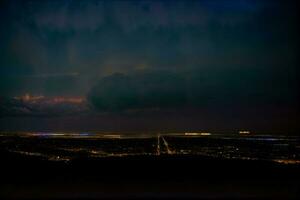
{"x":51,"y":100}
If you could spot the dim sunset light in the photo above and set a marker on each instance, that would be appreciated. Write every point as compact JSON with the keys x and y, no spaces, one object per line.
{"x":50,"y":100}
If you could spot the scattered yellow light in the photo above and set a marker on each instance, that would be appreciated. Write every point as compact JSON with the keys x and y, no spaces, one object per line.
{"x":112,"y":136}
{"x":205,"y":133}
{"x":244,"y":132}
{"x":287,"y":161}
{"x":195,"y":134}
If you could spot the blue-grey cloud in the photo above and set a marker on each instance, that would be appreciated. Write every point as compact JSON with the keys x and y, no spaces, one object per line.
{"x":99,"y":38}
{"x":149,"y":90}
{"x":131,"y":15}
{"x":193,"y":89}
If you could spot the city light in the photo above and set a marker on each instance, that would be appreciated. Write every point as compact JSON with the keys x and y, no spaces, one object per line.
{"x":196,"y":134}
{"x":244,"y":132}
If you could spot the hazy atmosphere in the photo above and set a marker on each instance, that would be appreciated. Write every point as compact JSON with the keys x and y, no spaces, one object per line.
{"x":149,"y":65}
{"x":149,"y":99}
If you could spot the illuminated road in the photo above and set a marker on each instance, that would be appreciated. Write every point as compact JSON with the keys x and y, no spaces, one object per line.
{"x":167,"y":146}
{"x":158,"y":149}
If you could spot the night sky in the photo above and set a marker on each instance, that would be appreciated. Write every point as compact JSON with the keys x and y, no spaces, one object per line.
{"x":151,"y":65}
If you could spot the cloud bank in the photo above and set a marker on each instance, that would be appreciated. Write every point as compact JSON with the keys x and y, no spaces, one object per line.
{"x":194,"y":89}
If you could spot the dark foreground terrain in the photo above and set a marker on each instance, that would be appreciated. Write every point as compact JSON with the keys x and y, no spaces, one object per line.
{"x":150,"y":177}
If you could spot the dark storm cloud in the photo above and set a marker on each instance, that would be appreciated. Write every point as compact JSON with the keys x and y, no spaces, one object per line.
{"x":98,"y":38}
{"x":121,"y":92}
{"x":230,"y":62}
{"x":193,"y":89}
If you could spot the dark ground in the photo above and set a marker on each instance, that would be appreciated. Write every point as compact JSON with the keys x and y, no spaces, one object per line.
{"x":147,"y":177}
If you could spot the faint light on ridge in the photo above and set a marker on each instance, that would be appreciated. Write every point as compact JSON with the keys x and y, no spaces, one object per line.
{"x":244,"y":132}
{"x":112,"y":136}
{"x":195,"y":134}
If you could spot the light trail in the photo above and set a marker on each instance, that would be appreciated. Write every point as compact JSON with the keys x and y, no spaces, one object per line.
{"x":166,"y":145}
